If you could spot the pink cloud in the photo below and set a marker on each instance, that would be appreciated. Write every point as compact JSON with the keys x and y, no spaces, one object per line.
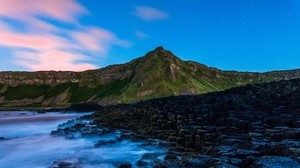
{"x":150,"y":14}
{"x":30,"y":41}
{"x":61,"y":61}
{"x":63,"y":10}
{"x":97,"y":39}
{"x":39,"y":26}
{"x":44,"y":46}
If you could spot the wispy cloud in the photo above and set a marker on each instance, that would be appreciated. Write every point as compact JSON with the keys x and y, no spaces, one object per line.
{"x":53,"y":60}
{"x":97,"y":39}
{"x":150,"y":14}
{"x":38,"y":44}
{"x":141,"y":35}
{"x":66,"y":10}
{"x":13,"y":39}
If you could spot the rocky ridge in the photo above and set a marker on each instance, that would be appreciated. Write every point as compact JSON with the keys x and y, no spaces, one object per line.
{"x":251,"y":126}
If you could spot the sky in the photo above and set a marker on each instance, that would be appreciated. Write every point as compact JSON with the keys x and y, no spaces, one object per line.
{"x":77,"y":35}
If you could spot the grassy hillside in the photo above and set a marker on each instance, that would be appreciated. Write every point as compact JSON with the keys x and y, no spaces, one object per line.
{"x":158,"y":74}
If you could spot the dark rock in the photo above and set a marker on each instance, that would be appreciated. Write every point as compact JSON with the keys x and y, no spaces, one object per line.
{"x":141,"y":163}
{"x":83,"y":107}
{"x":125,"y":165}
{"x":172,"y":163}
{"x":65,"y":163}
{"x":231,"y":142}
{"x":233,"y":127}
{"x":151,"y":156}
{"x":194,"y":163}
{"x":275,"y":161}
{"x":296,"y":124}
{"x":243,"y":153}
{"x":161,"y":165}
{"x":170,"y":157}
{"x":222,"y":162}
{"x":3,"y":138}
{"x":287,"y":147}
{"x":105,"y":142}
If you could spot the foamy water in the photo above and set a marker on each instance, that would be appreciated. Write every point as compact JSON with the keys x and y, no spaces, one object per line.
{"x":30,"y":144}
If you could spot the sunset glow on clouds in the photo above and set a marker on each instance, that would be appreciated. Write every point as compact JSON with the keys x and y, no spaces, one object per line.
{"x":38,"y":44}
{"x":86,"y":34}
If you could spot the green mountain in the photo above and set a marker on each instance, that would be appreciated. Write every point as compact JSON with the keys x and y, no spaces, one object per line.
{"x":157,"y":74}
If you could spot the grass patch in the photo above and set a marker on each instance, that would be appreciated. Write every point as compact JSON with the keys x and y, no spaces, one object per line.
{"x":24,"y":91}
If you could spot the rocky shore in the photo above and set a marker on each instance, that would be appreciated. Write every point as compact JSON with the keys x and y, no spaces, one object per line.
{"x":251,"y":126}
{"x":83,"y":128}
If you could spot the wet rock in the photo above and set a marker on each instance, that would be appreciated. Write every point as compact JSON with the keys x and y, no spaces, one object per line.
{"x":258,"y":145}
{"x":3,"y":138}
{"x":106,"y":143}
{"x":243,"y":125}
{"x":172,"y":163}
{"x":141,"y":163}
{"x":198,"y":142}
{"x":179,"y":140}
{"x":296,"y":124}
{"x":161,"y":165}
{"x":78,"y":128}
{"x":170,"y":157}
{"x":65,"y":163}
{"x":223,"y":151}
{"x":231,"y":142}
{"x":222,"y":162}
{"x":243,"y":153}
{"x":151,"y":156}
{"x":183,"y":132}
{"x":172,"y":138}
{"x":288,"y":134}
{"x":275,"y":161}
{"x":286,"y":147}
{"x":125,"y":165}
{"x":194,"y":163}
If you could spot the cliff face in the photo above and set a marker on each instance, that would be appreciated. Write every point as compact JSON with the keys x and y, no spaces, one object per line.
{"x":158,"y":74}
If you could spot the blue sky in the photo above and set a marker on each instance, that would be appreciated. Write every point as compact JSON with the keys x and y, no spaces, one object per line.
{"x":244,"y":35}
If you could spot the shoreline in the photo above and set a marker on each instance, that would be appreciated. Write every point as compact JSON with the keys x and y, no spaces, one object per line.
{"x":33,"y":108}
{"x":79,"y":107}
{"x":251,"y":126}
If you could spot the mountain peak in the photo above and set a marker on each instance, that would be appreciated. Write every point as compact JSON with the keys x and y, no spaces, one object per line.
{"x":160,"y":54}
{"x":163,"y":55}
{"x":159,"y":49}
